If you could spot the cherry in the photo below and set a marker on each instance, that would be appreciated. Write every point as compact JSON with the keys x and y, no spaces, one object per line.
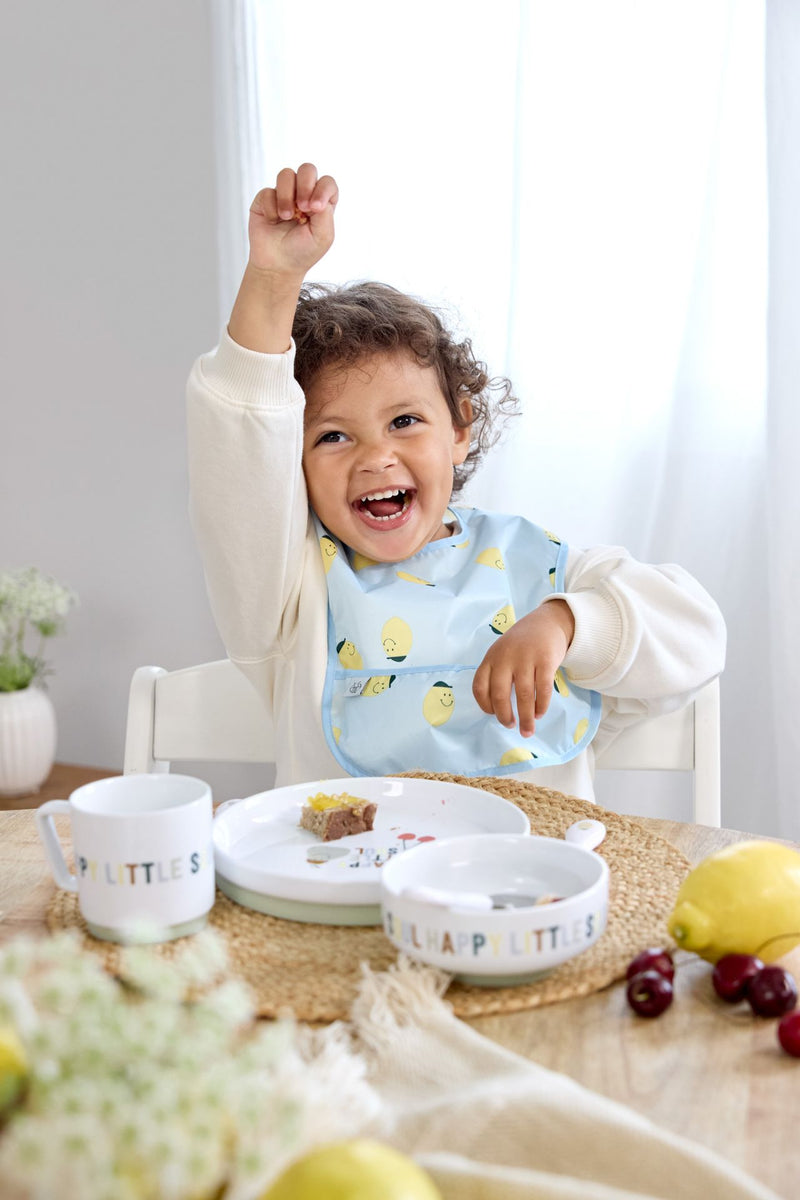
{"x":772,"y":992}
{"x":789,"y":1033}
{"x":653,"y":959}
{"x":649,"y":993}
{"x":732,"y":974}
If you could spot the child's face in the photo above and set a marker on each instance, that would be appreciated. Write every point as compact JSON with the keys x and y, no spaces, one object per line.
{"x":378,"y":454}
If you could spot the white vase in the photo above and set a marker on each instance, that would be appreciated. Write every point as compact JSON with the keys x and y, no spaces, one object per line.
{"x":27,"y":740}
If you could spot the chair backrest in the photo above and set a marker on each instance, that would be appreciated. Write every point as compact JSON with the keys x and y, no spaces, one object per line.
{"x":211,"y":713}
{"x":686,"y":740}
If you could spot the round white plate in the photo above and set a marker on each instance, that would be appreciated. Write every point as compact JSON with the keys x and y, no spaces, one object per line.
{"x":265,"y":861}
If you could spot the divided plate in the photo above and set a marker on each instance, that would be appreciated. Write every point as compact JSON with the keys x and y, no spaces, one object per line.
{"x":265,"y":861}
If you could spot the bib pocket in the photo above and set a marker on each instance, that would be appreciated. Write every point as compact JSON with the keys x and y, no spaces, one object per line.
{"x":428,"y":719}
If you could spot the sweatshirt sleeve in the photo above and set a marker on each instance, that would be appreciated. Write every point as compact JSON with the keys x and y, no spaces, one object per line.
{"x":646,"y":637}
{"x":248,"y":502}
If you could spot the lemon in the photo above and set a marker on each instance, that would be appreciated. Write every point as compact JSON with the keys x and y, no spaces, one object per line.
{"x":13,"y":1066}
{"x":737,"y":899}
{"x":360,"y":1169}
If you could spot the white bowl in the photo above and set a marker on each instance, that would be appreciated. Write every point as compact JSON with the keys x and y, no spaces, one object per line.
{"x":500,"y":946}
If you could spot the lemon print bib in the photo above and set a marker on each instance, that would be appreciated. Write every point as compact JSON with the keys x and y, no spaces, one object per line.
{"x":405,"y":640}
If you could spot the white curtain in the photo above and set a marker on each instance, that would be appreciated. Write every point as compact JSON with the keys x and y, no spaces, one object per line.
{"x":584,"y":187}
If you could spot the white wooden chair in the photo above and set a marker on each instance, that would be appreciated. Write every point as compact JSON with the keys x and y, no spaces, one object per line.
{"x":210,"y":713}
{"x":686,"y":740}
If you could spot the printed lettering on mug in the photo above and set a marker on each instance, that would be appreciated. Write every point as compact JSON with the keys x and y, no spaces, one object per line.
{"x":143,"y":874}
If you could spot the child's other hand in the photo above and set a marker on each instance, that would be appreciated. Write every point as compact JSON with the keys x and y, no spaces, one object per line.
{"x":291,"y":225}
{"x":525,"y":658}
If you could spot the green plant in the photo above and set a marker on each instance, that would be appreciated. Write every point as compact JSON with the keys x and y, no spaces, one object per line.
{"x":31,"y":604}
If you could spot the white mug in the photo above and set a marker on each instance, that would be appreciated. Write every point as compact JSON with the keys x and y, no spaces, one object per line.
{"x":144,"y":858}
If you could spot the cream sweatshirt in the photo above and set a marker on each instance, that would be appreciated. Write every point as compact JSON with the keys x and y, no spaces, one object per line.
{"x":646,"y":637}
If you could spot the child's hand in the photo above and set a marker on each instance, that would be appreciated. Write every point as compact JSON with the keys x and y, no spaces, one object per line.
{"x":526,"y":659}
{"x":291,"y":225}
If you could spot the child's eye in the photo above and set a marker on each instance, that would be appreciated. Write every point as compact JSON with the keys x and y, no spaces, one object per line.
{"x":333,"y":435}
{"x":405,"y":421}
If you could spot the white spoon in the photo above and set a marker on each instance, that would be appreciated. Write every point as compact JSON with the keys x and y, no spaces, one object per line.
{"x":587,"y":833}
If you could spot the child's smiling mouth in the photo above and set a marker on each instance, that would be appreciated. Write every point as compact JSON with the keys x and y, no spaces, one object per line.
{"x":386,"y":508}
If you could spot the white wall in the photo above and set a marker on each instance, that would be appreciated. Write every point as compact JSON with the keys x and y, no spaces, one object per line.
{"x":109,"y":289}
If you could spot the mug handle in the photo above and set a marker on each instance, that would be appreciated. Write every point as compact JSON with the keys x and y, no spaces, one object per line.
{"x":52,"y":846}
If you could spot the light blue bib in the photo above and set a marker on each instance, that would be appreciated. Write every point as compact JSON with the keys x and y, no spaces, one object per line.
{"x":405,"y":640}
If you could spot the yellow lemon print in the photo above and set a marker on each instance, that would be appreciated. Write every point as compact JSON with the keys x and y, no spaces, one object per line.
{"x":414,"y":579}
{"x":349,"y":656}
{"x":491,"y":558}
{"x":516,"y":754}
{"x":580,"y":730}
{"x":337,"y":733}
{"x":377,"y":684}
{"x":462,"y":545}
{"x":552,"y":576}
{"x":359,"y":561}
{"x":553,"y":537}
{"x":396,"y":638}
{"x":560,"y":683}
{"x":328,"y":551}
{"x":438,"y":705}
{"x":503,"y":619}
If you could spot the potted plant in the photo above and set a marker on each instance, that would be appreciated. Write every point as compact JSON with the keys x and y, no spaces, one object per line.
{"x":33,"y":607}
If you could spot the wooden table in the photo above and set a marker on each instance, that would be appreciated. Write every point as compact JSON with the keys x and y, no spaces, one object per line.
{"x":709,"y":1071}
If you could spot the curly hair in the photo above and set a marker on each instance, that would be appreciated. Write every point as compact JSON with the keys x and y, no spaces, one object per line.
{"x":335,"y":326}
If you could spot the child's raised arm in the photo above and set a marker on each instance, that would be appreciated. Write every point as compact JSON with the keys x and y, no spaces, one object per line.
{"x":290,"y":229}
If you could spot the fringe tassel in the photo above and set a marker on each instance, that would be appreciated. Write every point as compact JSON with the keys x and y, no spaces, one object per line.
{"x":407,"y":993}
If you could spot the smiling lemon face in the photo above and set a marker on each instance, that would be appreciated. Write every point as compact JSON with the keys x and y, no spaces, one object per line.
{"x":503,"y":619}
{"x":328,"y":550}
{"x":349,"y":656}
{"x":377,"y":684}
{"x":491,"y":558}
{"x":396,"y":638}
{"x":439,"y":703}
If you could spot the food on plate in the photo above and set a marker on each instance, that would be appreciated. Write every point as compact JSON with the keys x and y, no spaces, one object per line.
{"x":332,"y":817}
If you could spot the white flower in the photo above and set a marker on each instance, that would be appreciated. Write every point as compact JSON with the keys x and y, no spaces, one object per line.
{"x":30,"y":602}
{"x":143,"y":1090}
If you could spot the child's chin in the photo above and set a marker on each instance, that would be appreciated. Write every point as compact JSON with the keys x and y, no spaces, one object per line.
{"x":384,"y":547}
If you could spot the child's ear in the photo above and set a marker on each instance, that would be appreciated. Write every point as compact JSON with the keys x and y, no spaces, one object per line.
{"x":462,"y":434}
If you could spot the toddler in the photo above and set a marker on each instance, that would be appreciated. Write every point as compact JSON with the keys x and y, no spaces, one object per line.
{"x":386,"y":628}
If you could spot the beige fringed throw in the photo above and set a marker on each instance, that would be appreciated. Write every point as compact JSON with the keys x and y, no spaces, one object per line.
{"x":490,"y":1125}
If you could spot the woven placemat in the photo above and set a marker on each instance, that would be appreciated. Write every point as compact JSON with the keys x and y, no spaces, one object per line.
{"x":315,"y":970}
